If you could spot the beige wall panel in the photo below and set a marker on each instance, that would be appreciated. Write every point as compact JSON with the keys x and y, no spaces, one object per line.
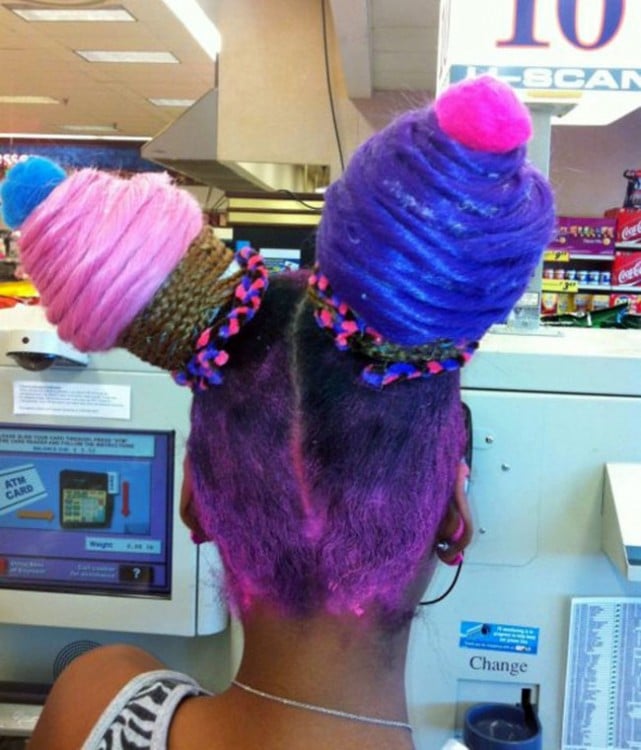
{"x":274,"y":102}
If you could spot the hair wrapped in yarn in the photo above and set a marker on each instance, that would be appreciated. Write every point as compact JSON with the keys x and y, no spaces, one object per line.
{"x":322,"y":495}
{"x":429,"y":237}
{"x":102,"y":252}
{"x":389,"y":363}
{"x":433,"y":231}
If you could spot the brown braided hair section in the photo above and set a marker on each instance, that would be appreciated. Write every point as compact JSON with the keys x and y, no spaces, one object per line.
{"x":164,"y":332}
{"x":364,"y":340}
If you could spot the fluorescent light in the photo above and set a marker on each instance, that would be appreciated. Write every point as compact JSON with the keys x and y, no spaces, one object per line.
{"x":113,"y":13}
{"x":173,"y":102}
{"x":95,"y":128}
{"x":10,"y":99}
{"x":111,"y":56}
{"x":198,"y":24}
{"x":61,"y":137}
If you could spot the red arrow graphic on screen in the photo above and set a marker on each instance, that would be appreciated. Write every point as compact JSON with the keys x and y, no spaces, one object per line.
{"x":125,"y":499}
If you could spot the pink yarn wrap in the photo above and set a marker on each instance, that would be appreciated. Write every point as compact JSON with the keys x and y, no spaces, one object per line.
{"x":100,"y":246}
{"x":484,"y":114}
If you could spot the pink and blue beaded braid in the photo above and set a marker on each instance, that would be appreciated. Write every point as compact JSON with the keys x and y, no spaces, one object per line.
{"x":390,"y":363}
{"x":203,"y":369}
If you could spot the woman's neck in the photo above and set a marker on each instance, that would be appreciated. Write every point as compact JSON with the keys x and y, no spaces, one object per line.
{"x":343,"y":663}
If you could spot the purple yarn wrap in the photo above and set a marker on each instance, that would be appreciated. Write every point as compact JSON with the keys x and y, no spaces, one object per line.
{"x":427,"y":239}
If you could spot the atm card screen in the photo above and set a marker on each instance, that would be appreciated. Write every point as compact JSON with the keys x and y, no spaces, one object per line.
{"x":86,"y":511}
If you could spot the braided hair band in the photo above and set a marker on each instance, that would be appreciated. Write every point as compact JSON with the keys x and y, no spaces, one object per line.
{"x":203,"y":369}
{"x":390,"y":362}
{"x":208,"y":297}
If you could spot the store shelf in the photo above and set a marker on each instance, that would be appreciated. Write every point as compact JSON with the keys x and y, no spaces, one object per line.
{"x":625,"y":289}
{"x":628,"y":246}
{"x":559,"y":285}
{"x":589,"y":256}
{"x":581,"y":266}
{"x":596,"y":289}
{"x":573,"y":287}
{"x":565,"y":256}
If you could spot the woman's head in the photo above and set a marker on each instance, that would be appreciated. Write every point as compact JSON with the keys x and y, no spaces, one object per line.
{"x":322,"y":494}
{"x":327,"y":428}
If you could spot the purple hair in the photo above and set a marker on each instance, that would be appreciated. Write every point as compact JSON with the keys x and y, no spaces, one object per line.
{"x":427,"y":236}
{"x":321,"y":494}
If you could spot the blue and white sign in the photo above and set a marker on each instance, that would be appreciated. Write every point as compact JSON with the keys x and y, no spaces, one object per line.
{"x":495,"y":637}
{"x":580,"y":53}
{"x":557,"y":79}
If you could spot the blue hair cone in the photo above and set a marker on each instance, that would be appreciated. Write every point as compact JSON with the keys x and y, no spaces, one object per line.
{"x":26,"y":186}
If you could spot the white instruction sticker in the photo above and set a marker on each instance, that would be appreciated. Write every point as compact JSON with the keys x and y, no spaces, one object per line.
{"x":72,"y":399}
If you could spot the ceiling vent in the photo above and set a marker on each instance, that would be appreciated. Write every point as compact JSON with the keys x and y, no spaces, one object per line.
{"x":189,"y":146}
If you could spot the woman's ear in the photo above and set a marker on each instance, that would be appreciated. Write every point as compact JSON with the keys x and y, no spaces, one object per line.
{"x":455,"y":530}
{"x":187,"y":510}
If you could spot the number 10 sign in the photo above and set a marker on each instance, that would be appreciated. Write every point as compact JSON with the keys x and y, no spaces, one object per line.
{"x":577,"y":51}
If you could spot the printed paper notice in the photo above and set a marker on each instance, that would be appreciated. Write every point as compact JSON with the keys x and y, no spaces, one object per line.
{"x":602,"y":708}
{"x":72,"y":400}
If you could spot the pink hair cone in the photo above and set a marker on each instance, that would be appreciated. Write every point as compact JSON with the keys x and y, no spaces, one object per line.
{"x":99,"y":247}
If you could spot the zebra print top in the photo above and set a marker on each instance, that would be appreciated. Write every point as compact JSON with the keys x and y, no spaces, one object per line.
{"x":138,"y":718}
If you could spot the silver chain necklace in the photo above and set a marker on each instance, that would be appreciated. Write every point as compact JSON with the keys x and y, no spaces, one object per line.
{"x":322,"y":709}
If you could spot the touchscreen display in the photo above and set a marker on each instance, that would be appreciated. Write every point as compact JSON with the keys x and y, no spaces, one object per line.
{"x":85,"y":510}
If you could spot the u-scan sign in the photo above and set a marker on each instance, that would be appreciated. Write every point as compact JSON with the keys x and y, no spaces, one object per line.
{"x":569,"y":79}
{"x":584,"y":49}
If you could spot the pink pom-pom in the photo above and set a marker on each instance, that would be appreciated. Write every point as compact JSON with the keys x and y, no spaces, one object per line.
{"x":484,"y":114}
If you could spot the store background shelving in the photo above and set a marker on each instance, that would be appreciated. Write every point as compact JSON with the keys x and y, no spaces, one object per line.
{"x":578,"y":267}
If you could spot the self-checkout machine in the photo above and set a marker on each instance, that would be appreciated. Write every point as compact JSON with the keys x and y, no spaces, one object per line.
{"x":92,"y":548}
{"x":549,"y":597}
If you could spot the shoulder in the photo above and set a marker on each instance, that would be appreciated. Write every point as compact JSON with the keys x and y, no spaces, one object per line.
{"x":84,"y":690}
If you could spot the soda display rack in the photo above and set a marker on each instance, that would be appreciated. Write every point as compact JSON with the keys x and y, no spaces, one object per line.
{"x":579,"y":268}
{"x":564,"y":261}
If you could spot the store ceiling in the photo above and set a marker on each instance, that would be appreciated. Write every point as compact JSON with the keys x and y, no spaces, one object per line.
{"x":41,"y":59}
{"x":38,"y":58}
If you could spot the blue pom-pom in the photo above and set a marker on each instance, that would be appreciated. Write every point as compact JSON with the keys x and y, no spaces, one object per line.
{"x":26,"y":186}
